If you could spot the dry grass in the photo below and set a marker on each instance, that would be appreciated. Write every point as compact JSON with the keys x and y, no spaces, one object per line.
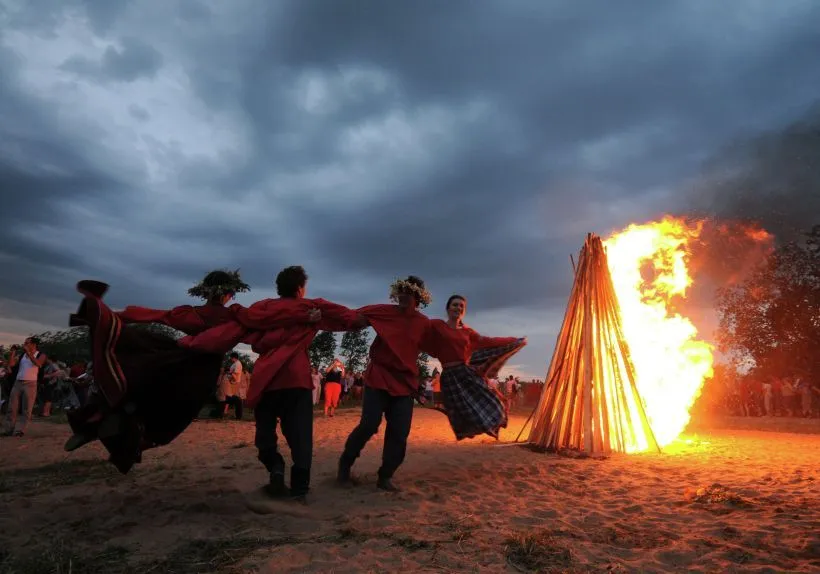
{"x":33,"y":481}
{"x":538,"y":552}
{"x":63,"y":557}
{"x":205,"y":556}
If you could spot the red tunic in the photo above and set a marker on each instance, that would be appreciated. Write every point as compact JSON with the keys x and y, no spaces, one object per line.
{"x":394,"y":353}
{"x":186,"y":318}
{"x":450,"y":345}
{"x":283,"y":361}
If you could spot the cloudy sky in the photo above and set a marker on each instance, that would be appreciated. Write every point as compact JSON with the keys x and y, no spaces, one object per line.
{"x":472,"y":143}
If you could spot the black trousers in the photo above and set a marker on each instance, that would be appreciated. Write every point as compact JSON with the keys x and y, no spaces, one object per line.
{"x":236,"y":403}
{"x":398,"y":412}
{"x":293,"y":409}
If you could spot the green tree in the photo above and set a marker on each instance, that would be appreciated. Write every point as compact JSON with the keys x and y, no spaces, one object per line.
{"x":323,"y":349}
{"x":771,"y":321}
{"x":423,"y":363}
{"x":354,"y":347}
{"x":70,"y":346}
{"x":158,"y":329}
{"x":73,"y":346}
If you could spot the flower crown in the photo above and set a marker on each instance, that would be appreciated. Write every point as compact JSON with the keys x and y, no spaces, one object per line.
{"x":400,"y":286}
{"x":218,"y":284}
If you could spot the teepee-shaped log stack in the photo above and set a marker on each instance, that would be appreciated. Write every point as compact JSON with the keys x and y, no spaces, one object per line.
{"x":590,"y":401}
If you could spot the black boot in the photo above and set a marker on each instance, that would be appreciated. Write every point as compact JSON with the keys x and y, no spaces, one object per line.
{"x":343,"y":473}
{"x":299,"y":483}
{"x":91,"y":288}
{"x":276,"y":487}
{"x":385,"y":482}
{"x":275,"y":464}
{"x":75,"y":441}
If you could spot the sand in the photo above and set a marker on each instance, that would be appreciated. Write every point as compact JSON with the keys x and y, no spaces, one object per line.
{"x":730,"y":500}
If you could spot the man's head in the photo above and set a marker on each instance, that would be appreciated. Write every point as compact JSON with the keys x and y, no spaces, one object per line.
{"x":32,"y":343}
{"x":292,"y":282}
{"x":234,"y":356}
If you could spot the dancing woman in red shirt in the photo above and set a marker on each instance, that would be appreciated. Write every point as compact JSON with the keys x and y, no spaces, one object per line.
{"x":468,"y":359}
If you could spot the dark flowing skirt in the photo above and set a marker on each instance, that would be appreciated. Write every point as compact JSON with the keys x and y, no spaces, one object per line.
{"x":150,"y":388}
{"x":472,"y":407}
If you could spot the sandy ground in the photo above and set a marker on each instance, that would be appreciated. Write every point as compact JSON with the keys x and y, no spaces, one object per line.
{"x":732,"y":499}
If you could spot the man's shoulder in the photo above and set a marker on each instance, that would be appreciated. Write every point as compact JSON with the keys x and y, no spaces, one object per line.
{"x":268,"y":301}
{"x":378,"y":308}
{"x":422,"y":318}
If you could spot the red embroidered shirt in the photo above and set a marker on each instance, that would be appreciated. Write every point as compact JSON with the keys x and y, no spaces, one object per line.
{"x":451,"y":345}
{"x":394,"y":353}
{"x":283,"y":361}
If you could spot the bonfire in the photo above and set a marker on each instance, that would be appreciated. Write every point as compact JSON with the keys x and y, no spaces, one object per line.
{"x":627,"y":366}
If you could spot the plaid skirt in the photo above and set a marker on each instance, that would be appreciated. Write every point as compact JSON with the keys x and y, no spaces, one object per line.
{"x":472,"y":407}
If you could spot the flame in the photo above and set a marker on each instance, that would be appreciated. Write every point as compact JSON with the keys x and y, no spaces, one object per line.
{"x":649,"y":268}
{"x":759,"y":235}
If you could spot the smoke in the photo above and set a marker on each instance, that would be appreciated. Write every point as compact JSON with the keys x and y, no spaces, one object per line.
{"x":753,"y":195}
{"x":771,"y":181}
{"x":727,"y":251}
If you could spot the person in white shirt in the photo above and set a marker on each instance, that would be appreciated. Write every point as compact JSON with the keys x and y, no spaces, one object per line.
{"x":316,"y":378}
{"x":493,"y":383}
{"x":28,"y":366}
{"x":347,"y":383}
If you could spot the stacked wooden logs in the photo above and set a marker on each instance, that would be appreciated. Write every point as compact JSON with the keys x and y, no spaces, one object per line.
{"x":590,"y":401}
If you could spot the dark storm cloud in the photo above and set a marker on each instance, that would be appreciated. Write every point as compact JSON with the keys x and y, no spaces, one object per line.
{"x":772,"y":179}
{"x":39,"y":172}
{"x":562,"y":80}
{"x":132,"y":61}
{"x":472,"y":143}
{"x":139,"y":113}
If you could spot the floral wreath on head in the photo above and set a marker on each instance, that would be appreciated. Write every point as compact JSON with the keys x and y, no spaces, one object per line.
{"x":400,"y":286}
{"x":218,"y":284}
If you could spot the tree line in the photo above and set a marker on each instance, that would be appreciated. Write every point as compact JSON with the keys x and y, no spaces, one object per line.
{"x":354,"y":348}
{"x":770,"y":322}
{"x":72,"y":346}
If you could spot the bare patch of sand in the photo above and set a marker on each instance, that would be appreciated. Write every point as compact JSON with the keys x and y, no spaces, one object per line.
{"x":721,"y":500}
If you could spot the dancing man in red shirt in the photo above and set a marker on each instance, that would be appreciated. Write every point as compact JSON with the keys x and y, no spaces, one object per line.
{"x":281,"y":388}
{"x":391,"y":378}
